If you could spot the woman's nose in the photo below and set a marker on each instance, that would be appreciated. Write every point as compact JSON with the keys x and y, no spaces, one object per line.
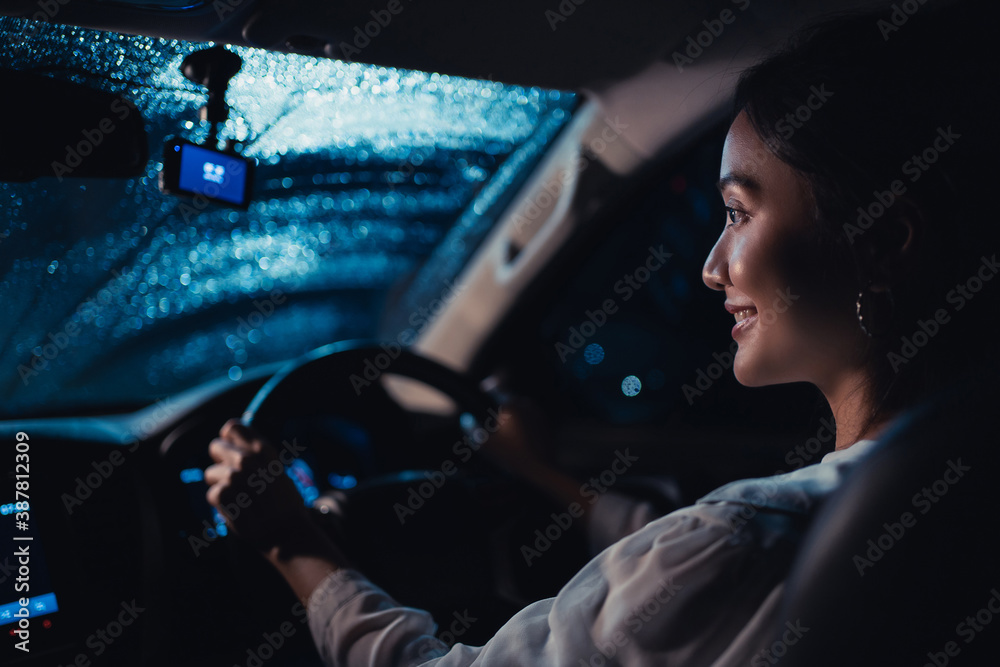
{"x":715,"y":273}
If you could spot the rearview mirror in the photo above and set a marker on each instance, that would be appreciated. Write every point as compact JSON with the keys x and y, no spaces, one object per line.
{"x":64,"y":129}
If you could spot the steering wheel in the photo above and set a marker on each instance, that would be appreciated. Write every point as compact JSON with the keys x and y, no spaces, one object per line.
{"x":319,"y":369}
{"x":459,"y":547}
{"x":344,"y":379}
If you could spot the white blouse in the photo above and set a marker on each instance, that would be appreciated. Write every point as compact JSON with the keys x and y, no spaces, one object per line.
{"x":700,"y":586}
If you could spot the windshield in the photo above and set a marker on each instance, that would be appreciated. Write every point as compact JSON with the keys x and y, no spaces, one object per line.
{"x":116,"y":294}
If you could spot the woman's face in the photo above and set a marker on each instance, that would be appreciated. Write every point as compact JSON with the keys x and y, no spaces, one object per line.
{"x":792,"y":297}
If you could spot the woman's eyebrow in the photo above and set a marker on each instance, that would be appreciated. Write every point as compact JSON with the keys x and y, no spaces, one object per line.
{"x":744,"y":181}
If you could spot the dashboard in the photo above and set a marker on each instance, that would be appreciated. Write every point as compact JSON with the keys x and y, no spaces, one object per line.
{"x":126,"y":561}
{"x":129,"y":564}
{"x":26,"y":590}
{"x":78,"y":556}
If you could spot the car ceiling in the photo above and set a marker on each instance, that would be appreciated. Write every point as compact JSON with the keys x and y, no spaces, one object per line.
{"x":565,"y":44}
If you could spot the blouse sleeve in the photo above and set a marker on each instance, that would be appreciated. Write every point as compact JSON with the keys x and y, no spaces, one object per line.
{"x":695,"y":587}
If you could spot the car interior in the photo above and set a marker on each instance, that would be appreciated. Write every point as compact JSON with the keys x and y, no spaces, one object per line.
{"x":419,"y":212}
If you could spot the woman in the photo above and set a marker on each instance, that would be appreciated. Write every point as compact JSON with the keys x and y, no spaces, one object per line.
{"x":853,"y":178}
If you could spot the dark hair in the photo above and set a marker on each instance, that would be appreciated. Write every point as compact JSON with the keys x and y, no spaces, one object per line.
{"x":867,"y":93}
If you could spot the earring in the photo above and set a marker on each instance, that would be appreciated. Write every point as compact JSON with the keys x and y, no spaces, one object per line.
{"x":865,"y":321}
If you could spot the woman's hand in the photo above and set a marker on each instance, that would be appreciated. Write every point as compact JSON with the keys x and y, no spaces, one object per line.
{"x":521,"y":445}
{"x":249,"y":487}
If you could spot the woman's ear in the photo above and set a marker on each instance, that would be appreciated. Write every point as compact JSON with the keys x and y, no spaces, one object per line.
{"x":889,"y":249}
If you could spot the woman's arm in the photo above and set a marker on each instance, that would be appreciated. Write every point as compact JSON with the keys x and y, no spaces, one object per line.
{"x":351,"y":619}
{"x":519,"y":447}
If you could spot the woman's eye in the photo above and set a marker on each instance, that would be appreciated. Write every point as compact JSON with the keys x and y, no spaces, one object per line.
{"x":735,"y":216}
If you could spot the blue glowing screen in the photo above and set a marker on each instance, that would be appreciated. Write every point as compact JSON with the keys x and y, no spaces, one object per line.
{"x":213,"y":174}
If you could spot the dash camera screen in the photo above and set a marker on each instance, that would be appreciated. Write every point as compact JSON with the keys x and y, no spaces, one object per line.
{"x":211,"y":173}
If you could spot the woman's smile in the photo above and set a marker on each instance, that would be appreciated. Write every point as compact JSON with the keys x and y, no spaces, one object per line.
{"x":746,"y":316}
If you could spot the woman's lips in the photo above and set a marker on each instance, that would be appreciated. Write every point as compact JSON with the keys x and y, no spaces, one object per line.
{"x":745,"y":316}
